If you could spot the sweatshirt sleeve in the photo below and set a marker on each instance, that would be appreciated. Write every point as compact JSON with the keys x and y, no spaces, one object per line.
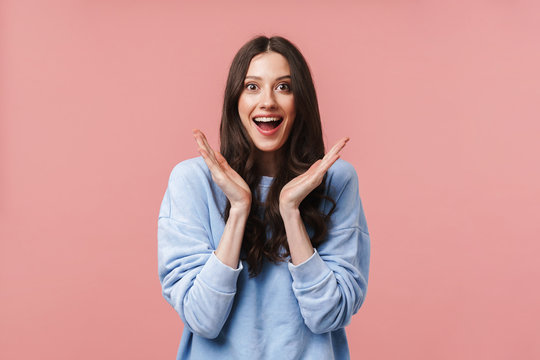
{"x":194,"y":281}
{"x":331,"y":285}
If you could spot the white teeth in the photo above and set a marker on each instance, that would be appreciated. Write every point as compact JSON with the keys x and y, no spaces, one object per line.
{"x":266,"y":119}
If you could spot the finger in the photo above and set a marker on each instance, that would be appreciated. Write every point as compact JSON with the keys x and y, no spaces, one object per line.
{"x":230,"y":171}
{"x":197,"y":135}
{"x":329,"y":162}
{"x":203,"y":143}
{"x":223,"y":163}
{"x":314,"y":173}
{"x":326,"y":164}
{"x":220,"y":159}
{"x":212,"y":165}
{"x":335,"y":150}
{"x":206,"y":152}
{"x":337,"y":147}
{"x":210,"y":150}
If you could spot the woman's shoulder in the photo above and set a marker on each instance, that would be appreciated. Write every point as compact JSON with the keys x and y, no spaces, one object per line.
{"x":343,"y":187}
{"x":193,"y":171}
{"x":341,"y":173}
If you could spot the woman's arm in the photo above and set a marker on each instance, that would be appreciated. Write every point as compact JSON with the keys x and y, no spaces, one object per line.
{"x":239,"y":195}
{"x":197,"y":284}
{"x":330,"y":284}
{"x":294,"y":193}
{"x":198,"y":280}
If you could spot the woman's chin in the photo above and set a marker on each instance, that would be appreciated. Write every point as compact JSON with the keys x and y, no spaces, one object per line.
{"x":268,"y":147}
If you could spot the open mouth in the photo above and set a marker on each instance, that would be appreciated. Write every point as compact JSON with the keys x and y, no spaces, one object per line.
{"x":267,"y":123}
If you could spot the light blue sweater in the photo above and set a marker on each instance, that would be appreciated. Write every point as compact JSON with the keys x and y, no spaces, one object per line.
{"x":287,"y":311}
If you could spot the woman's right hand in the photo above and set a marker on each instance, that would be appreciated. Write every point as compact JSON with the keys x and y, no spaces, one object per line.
{"x":228,"y":180}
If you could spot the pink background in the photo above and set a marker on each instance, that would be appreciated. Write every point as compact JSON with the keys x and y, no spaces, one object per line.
{"x":441,"y":100}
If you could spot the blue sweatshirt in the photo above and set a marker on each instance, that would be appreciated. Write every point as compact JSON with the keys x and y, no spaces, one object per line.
{"x":287,"y":311}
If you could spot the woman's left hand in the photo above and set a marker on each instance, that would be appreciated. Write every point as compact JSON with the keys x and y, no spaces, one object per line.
{"x":295,"y":191}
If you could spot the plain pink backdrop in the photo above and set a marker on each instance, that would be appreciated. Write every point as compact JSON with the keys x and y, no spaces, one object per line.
{"x":441,"y":101}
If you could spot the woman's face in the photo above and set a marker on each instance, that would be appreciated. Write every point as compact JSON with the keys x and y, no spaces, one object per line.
{"x":266,"y":105}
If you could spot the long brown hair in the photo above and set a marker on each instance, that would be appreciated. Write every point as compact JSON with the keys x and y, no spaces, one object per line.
{"x":303,"y":147}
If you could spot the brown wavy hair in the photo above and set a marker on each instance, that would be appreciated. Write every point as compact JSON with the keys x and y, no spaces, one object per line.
{"x":303,"y":147}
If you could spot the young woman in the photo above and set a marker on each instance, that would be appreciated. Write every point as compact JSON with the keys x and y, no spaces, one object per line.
{"x":263,"y":247}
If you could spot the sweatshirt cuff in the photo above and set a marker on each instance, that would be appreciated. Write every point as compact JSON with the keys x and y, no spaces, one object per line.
{"x":310,"y":272}
{"x":219,"y":276}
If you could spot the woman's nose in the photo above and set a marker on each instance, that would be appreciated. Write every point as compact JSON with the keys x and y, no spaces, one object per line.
{"x":268,"y":100}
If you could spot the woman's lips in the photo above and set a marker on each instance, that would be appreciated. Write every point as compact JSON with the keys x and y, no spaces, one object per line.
{"x":264,"y":127}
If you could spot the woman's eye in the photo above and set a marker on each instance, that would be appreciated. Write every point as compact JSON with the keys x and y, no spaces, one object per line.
{"x":251,"y":87}
{"x":284,"y":87}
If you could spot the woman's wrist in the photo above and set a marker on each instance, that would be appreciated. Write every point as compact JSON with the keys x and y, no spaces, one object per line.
{"x":288,"y":210}
{"x":297,"y":237}
{"x":228,"y":249}
{"x":240,"y":209}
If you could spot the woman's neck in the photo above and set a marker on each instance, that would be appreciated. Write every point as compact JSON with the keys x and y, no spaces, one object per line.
{"x":268,"y":162}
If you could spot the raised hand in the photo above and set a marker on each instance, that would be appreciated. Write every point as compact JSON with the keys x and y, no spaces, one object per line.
{"x":232,"y":184}
{"x":298,"y":188}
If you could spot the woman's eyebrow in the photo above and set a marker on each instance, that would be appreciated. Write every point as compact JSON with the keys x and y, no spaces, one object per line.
{"x":259,"y":78}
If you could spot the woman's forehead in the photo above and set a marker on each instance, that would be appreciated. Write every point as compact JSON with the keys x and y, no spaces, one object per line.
{"x":268,"y":65}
